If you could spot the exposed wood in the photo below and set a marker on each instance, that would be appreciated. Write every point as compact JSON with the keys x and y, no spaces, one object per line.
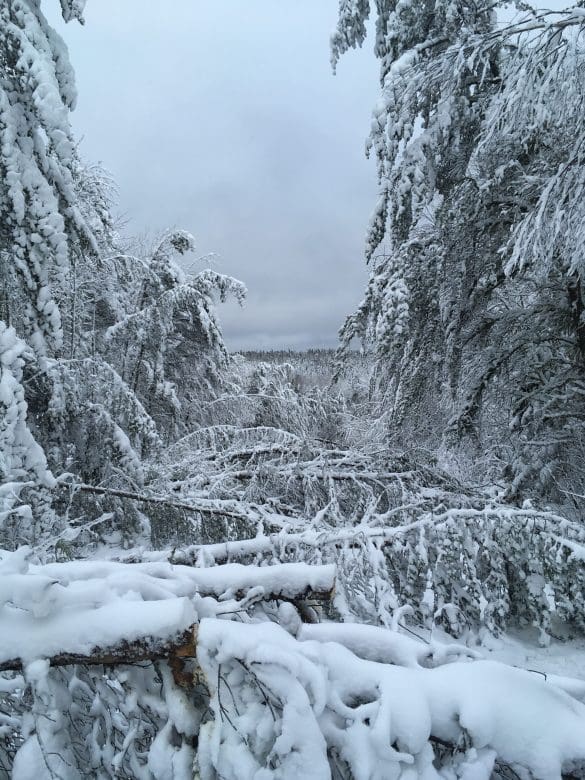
{"x":182,"y":660}
{"x":177,"y":649}
{"x":297,"y":600}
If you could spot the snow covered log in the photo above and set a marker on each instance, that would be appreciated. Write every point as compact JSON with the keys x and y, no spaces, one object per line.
{"x":115,"y":633}
{"x":99,"y":581}
{"x":268,"y":543}
{"x":176,"y":648}
{"x":109,"y":612}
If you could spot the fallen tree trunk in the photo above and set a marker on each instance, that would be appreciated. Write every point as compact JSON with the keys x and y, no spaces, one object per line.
{"x":354,"y":536}
{"x":180,"y":647}
{"x":109,"y":613}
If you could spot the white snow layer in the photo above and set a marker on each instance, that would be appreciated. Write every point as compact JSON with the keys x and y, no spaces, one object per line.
{"x":78,"y":606}
{"x":303,"y":698}
{"x":81,"y":630}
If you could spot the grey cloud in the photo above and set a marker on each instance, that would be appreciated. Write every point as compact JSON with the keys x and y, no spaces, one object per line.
{"x":224,"y":118}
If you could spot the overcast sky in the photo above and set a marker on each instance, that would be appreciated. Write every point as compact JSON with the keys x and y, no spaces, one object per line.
{"x":223,"y":117}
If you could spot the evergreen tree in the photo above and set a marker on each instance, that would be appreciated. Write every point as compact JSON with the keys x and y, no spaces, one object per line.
{"x":38,"y":209}
{"x":98,"y":342}
{"x":475,"y":308}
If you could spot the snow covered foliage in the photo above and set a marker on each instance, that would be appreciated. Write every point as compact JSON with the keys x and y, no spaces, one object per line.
{"x":24,"y":474}
{"x":529,"y":163}
{"x":21,"y":455}
{"x":401,"y":533}
{"x":169,"y":345}
{"x":44,"y":234}
{"x":96,"y":325}
{"x":414,"y":552}
{"x":428,"y":110}
{"x":284,"y":708}
{"x":38,"y":207}
{"x":474,"y":305}
{"x":260,"y":394}
{"x":135,"y":722}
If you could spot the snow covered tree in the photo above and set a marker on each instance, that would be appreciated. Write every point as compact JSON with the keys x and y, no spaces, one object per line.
{"x":423,"y":125}
{"x":171,"y":351}
{"x":40,"y":221}
{"x":528,"y":172}
{"x":38,"y":208}
{"x":435,"y":86}
{"x":98,"y":324}
{"x":475,"y":308}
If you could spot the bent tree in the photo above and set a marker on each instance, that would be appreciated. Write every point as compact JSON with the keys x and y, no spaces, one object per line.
{"x":475,"y":308}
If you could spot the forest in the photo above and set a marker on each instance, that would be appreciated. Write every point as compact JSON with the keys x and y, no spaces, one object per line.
{"x":365,"y":563}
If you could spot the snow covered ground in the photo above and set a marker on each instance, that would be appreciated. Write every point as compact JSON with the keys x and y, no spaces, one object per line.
{"x":564,"y":659}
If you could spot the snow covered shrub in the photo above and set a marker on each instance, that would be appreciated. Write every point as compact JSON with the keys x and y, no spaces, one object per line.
{"x":134,"y":722}
{"x":266,"y":393}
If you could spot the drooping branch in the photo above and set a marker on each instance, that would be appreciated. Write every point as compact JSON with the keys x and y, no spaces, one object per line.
{"x":213,"y":507}
{"x":539,"y":522}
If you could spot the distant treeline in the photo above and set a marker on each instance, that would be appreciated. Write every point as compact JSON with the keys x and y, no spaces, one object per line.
{"x":290,"y":355}
{"x":284,"y":355}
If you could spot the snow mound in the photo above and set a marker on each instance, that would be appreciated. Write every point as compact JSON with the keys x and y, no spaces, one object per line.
{"x":285,"y":708}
